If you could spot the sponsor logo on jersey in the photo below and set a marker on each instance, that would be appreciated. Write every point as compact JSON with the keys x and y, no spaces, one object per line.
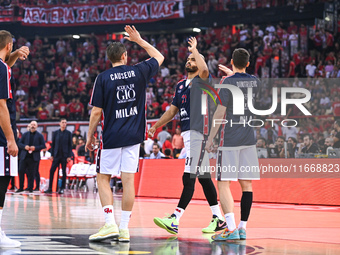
{"x":125,"y":113}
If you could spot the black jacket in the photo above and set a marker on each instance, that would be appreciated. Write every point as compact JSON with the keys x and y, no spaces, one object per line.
{"x":38,"y":143}
{"x":67,"y":144}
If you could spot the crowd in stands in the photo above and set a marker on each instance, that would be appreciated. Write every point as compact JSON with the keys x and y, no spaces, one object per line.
{"x":57,"y":78}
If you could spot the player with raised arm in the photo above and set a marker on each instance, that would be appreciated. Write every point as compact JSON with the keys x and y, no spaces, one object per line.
{"x":118,"y":100}
{"x":192,"y":124}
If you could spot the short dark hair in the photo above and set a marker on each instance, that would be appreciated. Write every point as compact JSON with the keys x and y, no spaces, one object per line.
{"x":281,"y":137}
{"x":167,"y":152}
{"x":240,"y":58}
{"x":156,"y":144}
{"x":263,"y":139}
{"x":293,"y":139}
{"x":114,"y":51}
{"x":5,"y":37}
{"x":61,"y":119}
{"x":309,"y":136}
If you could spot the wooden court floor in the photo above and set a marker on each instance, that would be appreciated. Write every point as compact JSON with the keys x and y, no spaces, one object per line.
{"x":53,"y":224}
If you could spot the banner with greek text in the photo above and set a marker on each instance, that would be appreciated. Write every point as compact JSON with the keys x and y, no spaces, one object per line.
{"x":113,"y":13}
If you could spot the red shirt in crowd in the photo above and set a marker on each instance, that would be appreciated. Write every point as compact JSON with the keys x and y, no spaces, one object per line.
{"x":336,"y":108}
{"x":43,"y":115}
{"x":62,"y":110}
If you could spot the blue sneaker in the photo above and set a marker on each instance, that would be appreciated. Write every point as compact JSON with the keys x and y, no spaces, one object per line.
{"x":227,"y":235}
{"x":242,"y":233}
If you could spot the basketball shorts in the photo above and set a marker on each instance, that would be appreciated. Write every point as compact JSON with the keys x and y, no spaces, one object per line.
{"x":237,"y":163}
{"x":197,"y":158}
{"x":8,"y":164}
{"x":117,"y":160}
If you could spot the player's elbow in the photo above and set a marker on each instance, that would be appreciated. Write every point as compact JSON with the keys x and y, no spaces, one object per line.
{"x":160,"y":59}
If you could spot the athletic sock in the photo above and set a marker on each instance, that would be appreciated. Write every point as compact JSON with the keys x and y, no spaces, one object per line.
{"x":178,"y":213}
{"x":124,"y":220}
{"x":246,"y":202}
{"x":243,"y":224}
{"x":109,"y":214}
{"x":230,"y":219}
{"x":215,"y":209}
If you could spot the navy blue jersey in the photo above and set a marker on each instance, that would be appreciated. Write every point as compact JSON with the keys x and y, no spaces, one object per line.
{"x":6,"y":93}
{"x":238,"y":134}
{"x":120,"y":92}
{"x":193,"y":120}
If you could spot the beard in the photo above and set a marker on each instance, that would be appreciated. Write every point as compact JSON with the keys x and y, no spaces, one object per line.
{"x":191,"y":69}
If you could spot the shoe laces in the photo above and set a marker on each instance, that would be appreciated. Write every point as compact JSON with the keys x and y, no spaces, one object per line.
{"x":168,"y":216}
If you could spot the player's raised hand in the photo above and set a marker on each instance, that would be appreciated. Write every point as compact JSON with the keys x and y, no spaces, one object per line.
{"x":151,"y":132}
{"x":134,"y":35}
{"x":225,"y":69}
{"x":23,"y":52}
{"x":192,"y":44}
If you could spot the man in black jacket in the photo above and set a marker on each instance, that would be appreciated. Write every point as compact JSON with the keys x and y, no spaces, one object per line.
{"x":31,"y":143}
{"x":61,"y":152}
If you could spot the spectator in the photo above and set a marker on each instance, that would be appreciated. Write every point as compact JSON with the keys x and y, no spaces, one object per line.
{"x":177,"y":142}
{"x":292,"y":148}
{"x":336,"y":137}
{"x":167,"y":153}
{"x":167,"y":144}
{"x":163,"y":135}
{"x":308,"y":145}
{"x":279,"y":145}
{"x":329,"y":143}
{"x":261,"y":143}
{"x":156,"y":154}
{"x":289,"y":132}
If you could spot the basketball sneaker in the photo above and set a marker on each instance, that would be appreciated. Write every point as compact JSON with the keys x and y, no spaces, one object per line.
{"x":227,"y":235}
{"x":169,"y":223}
{"x":242,"y":233}
{"x":6,"y":242}
{"x":124,"y":235}
{"x":105,"y":232}
{"x":215,"y":225}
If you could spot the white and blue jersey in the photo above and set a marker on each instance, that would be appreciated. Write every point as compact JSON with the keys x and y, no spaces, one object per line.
{"x":186,"y":89}
{"x":6,"y":93}
{"x":120,"y":92}
{"x":238,"y":134}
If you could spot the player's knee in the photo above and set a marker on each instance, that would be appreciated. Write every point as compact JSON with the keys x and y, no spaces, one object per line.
{"x":246,"y":185}
{"x":188,"y":181}
{"x":205,"y":181}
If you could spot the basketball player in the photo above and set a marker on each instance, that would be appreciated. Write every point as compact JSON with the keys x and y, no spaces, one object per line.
{"x":118,"y":99}
{"x":8,"y":146}
{"x":192,"y":132}
{"x":237,"y":148}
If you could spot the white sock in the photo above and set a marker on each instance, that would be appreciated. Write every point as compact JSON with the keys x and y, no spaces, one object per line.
{"x":124,"y":220}
{"x":178,"y":212}
{"x":109,"y":214}
{"x":215,"y":209}
{"x":243,"y":224}
{"x":230,"y":219}
{"x":0,"y":217}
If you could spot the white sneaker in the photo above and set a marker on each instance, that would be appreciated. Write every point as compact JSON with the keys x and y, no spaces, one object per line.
{"x":6,"y":242}
{"x":124,"y":235}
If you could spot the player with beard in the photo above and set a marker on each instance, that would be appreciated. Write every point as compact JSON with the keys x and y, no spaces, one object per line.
{"x":192,"y":124}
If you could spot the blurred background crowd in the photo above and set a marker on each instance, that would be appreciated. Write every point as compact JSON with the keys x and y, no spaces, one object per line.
{"x":57,"y":79}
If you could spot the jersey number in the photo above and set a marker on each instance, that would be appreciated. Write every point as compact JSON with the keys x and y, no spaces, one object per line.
{"x":188,"y":161}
